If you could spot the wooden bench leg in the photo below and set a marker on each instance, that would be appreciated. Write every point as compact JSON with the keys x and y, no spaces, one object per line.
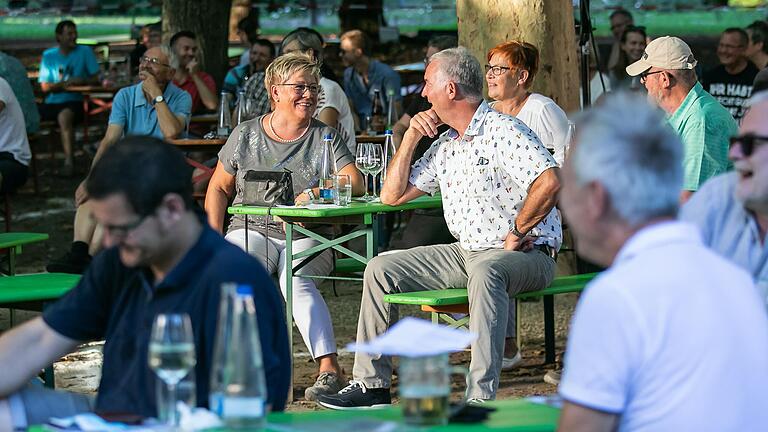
{"x":549,"y":329}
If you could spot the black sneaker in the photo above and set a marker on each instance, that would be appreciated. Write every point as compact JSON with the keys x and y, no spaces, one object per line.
{"x":69,"y":263}
{"x":356,"y":396}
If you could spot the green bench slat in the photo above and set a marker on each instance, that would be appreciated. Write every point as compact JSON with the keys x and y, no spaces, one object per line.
{"x":446,"y":297}
{"x":349,"y":265}
{"x":13,"y":239}
{"x":454,"y":296}
{"x":36,"y":287}
{"x":561,"y":285}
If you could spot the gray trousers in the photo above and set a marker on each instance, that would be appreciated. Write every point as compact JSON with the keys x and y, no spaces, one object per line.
{"x":490,"y":276}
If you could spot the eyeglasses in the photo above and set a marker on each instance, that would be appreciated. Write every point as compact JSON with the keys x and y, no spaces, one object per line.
{"x":748,"y":142}
{"x":496,"y":70}
{"x":644,"y":76}
{"x":124,"y":230}
{"x":153,"y":61}
{"x":301,"y":88}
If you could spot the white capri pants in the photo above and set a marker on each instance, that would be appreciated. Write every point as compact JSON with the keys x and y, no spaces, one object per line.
{"x":309,"y":309}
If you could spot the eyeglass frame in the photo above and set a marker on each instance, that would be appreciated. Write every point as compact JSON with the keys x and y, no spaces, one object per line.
{"x":153,"y":61}
{"x":494,"y":68}
{"x":299,"y":89}
{"x":747,"y":142}
{"x":644,"y":75}
{"x":124,"y":230}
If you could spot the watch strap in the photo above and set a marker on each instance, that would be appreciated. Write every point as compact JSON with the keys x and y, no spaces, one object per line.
{"x":309,"y":193}
{"x":517,"y":232}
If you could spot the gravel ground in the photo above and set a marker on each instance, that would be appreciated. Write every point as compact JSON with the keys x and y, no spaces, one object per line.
{"x":51,"y":210}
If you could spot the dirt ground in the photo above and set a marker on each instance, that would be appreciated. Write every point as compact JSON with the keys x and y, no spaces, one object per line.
{"x":51,"y":210}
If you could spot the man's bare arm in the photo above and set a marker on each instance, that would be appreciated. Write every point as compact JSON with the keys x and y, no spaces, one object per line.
{"x":542,"y":197}
{"x":577,"y":418}
{"x":27,"y":349}
{"x":207,"y":97}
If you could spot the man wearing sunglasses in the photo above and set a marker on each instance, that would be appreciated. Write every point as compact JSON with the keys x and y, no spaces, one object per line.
{"x":153,"y":107}
{"x":732,"y":209}
{"x":667,"y":71}
{"x":160,"y":257}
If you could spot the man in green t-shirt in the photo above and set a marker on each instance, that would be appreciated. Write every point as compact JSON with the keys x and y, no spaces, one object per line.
{"x":667,"y":71}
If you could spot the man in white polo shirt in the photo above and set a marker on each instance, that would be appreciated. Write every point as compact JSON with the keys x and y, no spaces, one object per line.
{"x":671,"y":336}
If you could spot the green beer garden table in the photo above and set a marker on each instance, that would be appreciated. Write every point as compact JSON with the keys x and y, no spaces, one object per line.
{"x":363,"y":214}
{"x":515,"y":415}
{"x":510,"y":415}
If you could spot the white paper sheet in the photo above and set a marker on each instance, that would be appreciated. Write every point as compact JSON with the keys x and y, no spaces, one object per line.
{"x":412,"y":337}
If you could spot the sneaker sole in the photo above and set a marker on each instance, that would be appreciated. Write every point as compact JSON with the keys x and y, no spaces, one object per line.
{"x":360,"y":408}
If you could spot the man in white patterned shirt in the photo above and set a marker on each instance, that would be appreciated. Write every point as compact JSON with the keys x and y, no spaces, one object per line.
{"x":499,"y":187}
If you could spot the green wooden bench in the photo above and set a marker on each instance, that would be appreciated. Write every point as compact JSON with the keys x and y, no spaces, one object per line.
{"x":442,"y":303}
{"x":33,"y":292}
{"x":13,"y":242}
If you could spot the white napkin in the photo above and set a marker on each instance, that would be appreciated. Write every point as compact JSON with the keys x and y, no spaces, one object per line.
{"x":412,"y":337}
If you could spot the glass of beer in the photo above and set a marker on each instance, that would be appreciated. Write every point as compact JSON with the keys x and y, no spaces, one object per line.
{"x":425,"y":389}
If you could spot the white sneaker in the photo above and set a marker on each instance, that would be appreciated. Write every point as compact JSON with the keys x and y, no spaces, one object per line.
{"x":511,"y":363}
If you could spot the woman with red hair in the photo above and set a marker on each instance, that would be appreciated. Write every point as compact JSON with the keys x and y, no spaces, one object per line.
{"x":509,"y":73}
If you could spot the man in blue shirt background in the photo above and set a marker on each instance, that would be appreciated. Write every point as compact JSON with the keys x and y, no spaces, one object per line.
{"x":66,"y":65}
{"x":153,"y":107}
{"x":161,"y":257}
{"x":363,"y":76}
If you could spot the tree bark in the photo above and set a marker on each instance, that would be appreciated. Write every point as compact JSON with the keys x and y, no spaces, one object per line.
{"x":547,"y":24}
{"x":209,"y":19}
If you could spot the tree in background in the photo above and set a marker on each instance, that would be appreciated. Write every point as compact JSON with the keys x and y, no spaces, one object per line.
{"x":209,"y":19}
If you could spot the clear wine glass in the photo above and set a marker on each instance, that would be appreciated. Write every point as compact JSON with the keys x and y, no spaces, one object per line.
{"x":375,"y":164}
{"x":171,"y":355}
{"x":361,"y":162}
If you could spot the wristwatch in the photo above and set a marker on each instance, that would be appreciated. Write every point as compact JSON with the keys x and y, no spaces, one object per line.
{"x":157,"y":100}
{"x":517,"y":233}
{"x":309,"y":193}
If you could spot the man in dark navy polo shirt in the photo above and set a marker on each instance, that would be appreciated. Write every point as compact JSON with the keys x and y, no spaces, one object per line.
{"x":160,"y":257}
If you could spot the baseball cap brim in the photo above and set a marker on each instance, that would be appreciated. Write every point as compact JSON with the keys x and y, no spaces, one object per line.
{"x":638,"y":67}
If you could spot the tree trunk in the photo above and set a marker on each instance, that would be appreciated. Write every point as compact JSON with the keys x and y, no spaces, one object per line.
{"x":209,"y":19}
{"x":547,"y":24}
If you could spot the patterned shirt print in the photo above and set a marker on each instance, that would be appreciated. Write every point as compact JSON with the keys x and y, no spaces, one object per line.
{"x":484,"y":178}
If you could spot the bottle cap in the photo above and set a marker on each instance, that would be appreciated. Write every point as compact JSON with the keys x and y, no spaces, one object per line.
{"x":388,"y":132}
{"x":243,"y":289}
{"x":328,"y":137}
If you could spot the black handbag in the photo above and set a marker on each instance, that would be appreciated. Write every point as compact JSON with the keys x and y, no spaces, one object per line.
{"x":268,"y":188}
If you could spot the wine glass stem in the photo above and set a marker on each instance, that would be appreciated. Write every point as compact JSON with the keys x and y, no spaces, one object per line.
{"x":172,"y":414}
{"x":374,"y":185}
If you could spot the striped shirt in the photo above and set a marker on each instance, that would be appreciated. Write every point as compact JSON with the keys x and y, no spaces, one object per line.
{"x":704,"y":127}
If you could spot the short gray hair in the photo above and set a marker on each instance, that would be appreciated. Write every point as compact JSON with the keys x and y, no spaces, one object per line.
{"x":173,"y":59}
{"x":627,"y":146}
{"x":461,"y":67}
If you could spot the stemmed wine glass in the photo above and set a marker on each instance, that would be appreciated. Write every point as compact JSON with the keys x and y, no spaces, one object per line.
{"x":361,"y":162}
{"x":375,"y":164}
{"x":171,"y":355}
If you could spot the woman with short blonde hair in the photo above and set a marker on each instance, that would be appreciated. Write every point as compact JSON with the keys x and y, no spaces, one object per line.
{"x":287,"y":138}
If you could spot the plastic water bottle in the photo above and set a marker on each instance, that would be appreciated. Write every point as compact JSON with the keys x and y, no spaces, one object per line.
{"x":242,"y":114}
{"x":225,"y":117}
{"x":389,"y":153}
{"x":327,"y":171}
{"x":238,"y":388}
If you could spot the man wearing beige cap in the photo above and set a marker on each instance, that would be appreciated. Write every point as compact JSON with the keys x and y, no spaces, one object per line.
{"x":704,"y":126}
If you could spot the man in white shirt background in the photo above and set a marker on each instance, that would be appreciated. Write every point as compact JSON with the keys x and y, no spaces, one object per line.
{"x":671,"y":336}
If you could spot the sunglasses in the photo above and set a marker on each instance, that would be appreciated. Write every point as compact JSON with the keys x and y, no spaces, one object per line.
{"x":748,"y":142}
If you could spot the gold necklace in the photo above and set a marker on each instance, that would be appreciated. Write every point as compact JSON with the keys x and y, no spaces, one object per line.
{"x":281,"y":139}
